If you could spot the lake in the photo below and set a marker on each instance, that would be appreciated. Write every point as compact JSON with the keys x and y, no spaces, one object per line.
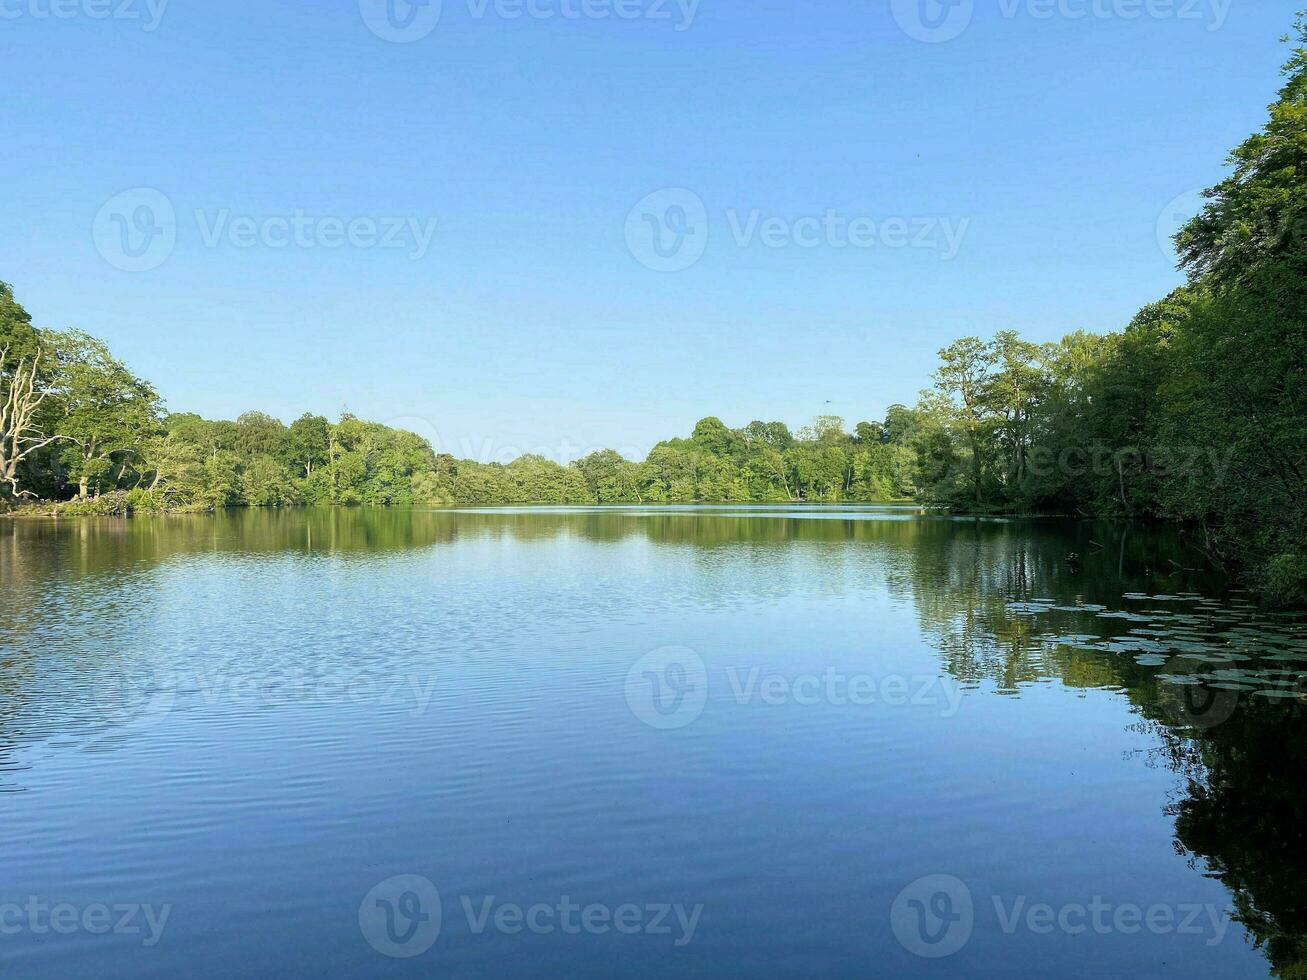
{"x":687,"y":741}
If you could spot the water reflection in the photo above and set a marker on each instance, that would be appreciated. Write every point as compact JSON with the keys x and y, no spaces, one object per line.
{"x":1008,"y":604}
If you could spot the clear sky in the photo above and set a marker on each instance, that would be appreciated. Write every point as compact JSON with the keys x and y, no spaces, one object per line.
{"x":838,"y":188}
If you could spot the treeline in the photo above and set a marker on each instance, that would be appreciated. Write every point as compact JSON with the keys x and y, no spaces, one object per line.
{"x":1196,"y":411}
{"x":81,"y":427}
{"x":98,"y":431}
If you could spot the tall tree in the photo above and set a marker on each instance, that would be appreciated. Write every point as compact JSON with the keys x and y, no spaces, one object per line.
{"x":106,"y":412}
{"x":963,"y":376}
{"x":18,"y":338}
{"x":1259,"y":212}
{"x":21,"y":399}
{"x":308,"y":437}
{"x":1016,"y":387}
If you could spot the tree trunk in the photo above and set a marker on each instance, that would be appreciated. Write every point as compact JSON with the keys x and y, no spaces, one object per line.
{"x":975,"y":466}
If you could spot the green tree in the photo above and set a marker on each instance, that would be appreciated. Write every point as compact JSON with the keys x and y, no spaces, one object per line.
{"x":1258,"y":214}
{"x":258,"y":434}
{"x":963,"y":377}
{"x":603,"y":472}
{"x":19,"y":340}
{"x":106,"y":412}
{"x":173,"y":469}
{"x":867,"y":433}
{"x":1013,"y":392}
{"x":307,"y":442}
{"x":265,"y":482}
{"x":712,"y":436}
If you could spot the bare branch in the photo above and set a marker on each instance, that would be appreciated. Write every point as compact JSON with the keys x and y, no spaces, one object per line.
{"x":20,"y":434}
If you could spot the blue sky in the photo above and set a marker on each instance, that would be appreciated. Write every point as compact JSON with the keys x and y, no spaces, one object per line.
{"x":838,"y":190}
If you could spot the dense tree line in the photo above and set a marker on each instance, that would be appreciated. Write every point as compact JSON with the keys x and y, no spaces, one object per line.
{"x":98,"y":431}
{"x":1196,"y":411}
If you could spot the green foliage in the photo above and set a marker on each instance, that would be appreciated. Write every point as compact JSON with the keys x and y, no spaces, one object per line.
{"x":17,"y":335}
{"x":308,"y":442}
{"x":1284,"y":581}
{"x":1258,"y":213}
{"x":266,"y":482}
{"x":103,"y":411}
{"x":1196,"y":411}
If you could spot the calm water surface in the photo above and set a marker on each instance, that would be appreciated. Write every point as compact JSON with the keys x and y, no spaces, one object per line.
{"x":766,"y":742}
